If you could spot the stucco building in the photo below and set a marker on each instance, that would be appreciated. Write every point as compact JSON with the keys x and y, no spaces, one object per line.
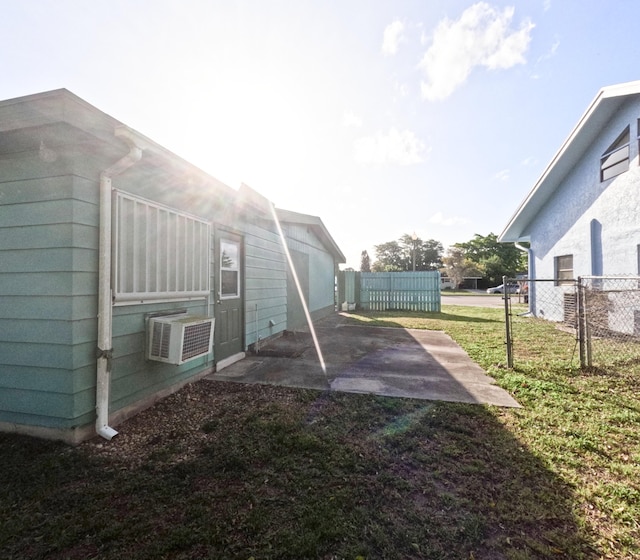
{"x":581,"y":217}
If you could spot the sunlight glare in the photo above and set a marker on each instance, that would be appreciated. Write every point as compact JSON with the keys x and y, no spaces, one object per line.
{"x":300,"y":293}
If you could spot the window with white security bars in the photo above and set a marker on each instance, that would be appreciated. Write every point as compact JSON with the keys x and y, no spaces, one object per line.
{"x":159,"y":253}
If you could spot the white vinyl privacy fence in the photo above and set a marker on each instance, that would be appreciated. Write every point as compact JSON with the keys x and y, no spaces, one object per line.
{"x":386,"y":291}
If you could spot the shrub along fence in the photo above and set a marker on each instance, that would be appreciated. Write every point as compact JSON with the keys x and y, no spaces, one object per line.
{"x":601,"y":313}
{"x":385,"y":291}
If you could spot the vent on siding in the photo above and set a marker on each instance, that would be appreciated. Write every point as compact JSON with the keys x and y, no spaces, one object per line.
{"x":179,"y":338}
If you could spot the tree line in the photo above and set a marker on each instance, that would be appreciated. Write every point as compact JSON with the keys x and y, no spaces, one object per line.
{"x":483,"y":257}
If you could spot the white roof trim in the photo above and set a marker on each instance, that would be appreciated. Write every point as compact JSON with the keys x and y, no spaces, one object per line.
{"x":570,"y":150}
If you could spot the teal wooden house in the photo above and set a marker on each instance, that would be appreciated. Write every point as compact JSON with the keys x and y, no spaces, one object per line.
{"x":126,"y":272}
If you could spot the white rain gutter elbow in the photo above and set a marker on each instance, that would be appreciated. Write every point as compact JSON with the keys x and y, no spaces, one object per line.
{"x":105,"y":350}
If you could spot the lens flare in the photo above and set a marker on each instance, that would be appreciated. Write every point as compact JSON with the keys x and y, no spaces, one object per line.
{"x":300,"y":293}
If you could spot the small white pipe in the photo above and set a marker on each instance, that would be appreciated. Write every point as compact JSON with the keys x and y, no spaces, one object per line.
{"x":531,"y":292}
{"x":105,"y":350}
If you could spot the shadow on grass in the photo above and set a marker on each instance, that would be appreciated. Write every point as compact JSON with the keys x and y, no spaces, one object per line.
{"x":385,"y":318}
{"x":269,"y":472}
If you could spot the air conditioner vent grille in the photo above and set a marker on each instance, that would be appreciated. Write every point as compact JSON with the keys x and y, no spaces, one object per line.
{"x":196,"y":340}
{"x":161,"y":336}
{"x":176,"y":339}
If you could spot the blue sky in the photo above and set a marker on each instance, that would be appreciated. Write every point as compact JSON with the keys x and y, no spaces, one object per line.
{"x":381,"y":117}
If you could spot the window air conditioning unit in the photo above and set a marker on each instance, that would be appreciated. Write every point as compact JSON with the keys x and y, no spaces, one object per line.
{"x":176,"y":339}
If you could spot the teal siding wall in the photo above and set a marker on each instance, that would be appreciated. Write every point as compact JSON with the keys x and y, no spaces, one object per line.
{"x":321,"y":281}
{"x":48,"y":294}
{"x":49,"y":214}
{"x":48,"y":279}
{"x":265,"y":281}
{"x":297,"y":293}
{"x":321,"y":266}
{"x":133,"y":377}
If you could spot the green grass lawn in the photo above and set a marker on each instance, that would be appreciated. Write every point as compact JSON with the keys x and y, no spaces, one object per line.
{"x":223,"y":470}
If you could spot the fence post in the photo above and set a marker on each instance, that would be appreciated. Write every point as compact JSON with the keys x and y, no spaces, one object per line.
{"x":507,"y":323}
{"x":587,"y":328}
{"x":582,"y":323}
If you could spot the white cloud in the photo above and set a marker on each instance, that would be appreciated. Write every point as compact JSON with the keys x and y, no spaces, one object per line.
{"x":401,"y":89}
{"x":551,"y":52}
{"x":393,"y":36}
{"x":502,"y":175}
{"x":441,"y":220}
{"x":546,"y":56}
{"x":480,"y":37}
{"x":350,"y":119}
{"x":401,"y":147}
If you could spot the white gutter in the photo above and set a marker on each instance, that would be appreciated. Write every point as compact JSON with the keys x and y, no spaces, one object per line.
{"x":105,"y":350}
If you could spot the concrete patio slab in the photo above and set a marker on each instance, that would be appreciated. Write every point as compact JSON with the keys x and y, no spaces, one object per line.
{"x":385,"y":361}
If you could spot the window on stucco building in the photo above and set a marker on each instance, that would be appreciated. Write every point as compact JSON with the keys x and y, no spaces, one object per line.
{"x":615,"y":160}
{"x":563,"y":269}
{"x":638,"y":135}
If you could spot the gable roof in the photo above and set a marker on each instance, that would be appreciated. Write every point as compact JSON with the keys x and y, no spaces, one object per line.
{"x":59,"y":116}
{"x":247,"y":196}
{"x":316,"y":225}
{"x":608,"y":100}
{"x":23,"y":119}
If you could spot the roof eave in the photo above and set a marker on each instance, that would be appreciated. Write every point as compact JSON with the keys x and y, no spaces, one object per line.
{"x":319,"y":228}
{"x":554,"y":172}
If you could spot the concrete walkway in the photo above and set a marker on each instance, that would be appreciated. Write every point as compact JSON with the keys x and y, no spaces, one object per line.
{"x":393,"y":362}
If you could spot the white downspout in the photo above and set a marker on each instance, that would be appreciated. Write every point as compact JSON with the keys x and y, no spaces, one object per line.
{"x":528,"y":251}
{"x":105,"y":350}
{"x":531,"y":291}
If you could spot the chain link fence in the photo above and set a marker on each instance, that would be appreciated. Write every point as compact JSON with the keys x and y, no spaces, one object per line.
{"x":596,"y":320}
{"x":610,"y":309}
{"x":531,"y":306}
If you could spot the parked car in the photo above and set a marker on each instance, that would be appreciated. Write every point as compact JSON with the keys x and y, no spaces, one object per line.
{"x":513,"y":289}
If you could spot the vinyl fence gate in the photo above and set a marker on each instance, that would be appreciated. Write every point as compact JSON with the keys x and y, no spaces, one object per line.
{"x":601,"y":313}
